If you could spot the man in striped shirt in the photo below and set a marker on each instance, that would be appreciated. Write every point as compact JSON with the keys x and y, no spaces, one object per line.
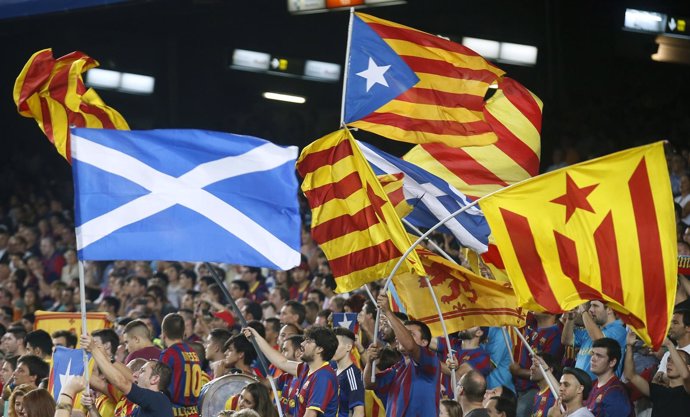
{"x":185,"y":384}
{"x":351,"y":396}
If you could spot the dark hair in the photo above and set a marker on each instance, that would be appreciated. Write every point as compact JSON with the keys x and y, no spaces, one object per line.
{"x":369,"y":308}
{"x":138,"y":324}
{"x":39,"y":403}
{"x":108,"y":336}
{"x":402,"y":316}
{"x":273,"y":323}
{"x":36,"y":365}
{"x":70,"y":337}
{"x":613,"y":349}
{"x":262,"y":399}
{"x":453,"y":408}
{"x":12,"y":360}
{"x":297,"y":308}
{"x":325,"y":339}
{"x":474,"y":386}
{"x":140,"y":280}
{"x":341,"y":331}
{"x":552,"y":362}
{"x":19,"y":332}
{"x":214,"y":289}
{"x":164,"y":373}
{"x":387,"y":358}
{"x":255,"y":310}
{"x":163,"y":277}
{"x":40,"y":339}
{"x":582,"y":377}
{"x":319,"y":293}
{"x":284,"y":292}
{"x":423,"y":328}
{"x":157,"y":292}
{"x":355,"y":303}
{"x":505,"y":405}
{"x":685,"y":313}
{"x":207,"y":279}
{"x":173,"y":326}
{"x":242,"y":345}
{"x":219,"y":336}
{"x":295,"y":340}
{"x":244,"y":287}
{"x":326,"y":314}
{"x":189,"y":274}
{"x":258,"y":326}
{"x":112,"y":302}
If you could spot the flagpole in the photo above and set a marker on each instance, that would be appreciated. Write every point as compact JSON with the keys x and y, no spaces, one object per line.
{"x":453,"y":377}
{"x":504,"y":332}
{"x":347,"y":67}
{"x":541,"y":367}
{"x":82,"y":300}
{"x":430,"y":241}
{"x":243,"y":322}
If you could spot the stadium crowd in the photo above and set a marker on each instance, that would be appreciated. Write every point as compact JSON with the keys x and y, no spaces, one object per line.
{"x":173,"y":334}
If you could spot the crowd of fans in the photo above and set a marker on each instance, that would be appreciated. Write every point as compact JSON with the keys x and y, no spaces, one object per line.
{"x":174,"y":334}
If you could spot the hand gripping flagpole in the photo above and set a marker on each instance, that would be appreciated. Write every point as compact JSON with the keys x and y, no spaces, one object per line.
{"x":541,"y":367}
{"x":243,"y":322}
{"x":347,"y":67}
{"x":82,"y":300}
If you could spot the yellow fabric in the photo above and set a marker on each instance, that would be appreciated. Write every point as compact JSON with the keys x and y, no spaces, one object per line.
{"x":393,"y":186}
{"x":388,"y":227}
{"x":491,"y":157}
{"x":566,"y":211}
{"x":373,"y":407}
{"x":52,"y":92}
{"x":466,"y":299}
{"x":53,"y":321}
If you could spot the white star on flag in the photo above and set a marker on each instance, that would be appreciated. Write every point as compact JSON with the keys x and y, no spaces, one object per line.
{"x":374,"y":74}
{"x":345,"y":323}
{"x":66,"y":376}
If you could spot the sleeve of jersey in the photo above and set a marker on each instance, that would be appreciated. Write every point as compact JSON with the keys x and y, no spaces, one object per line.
{"x":323,"y":388}
{"x":142,"y":397}
{"x":384,"y":381}
{"x":553,"y":343}
{"x":428,"y":362}
{"x":579,"y":336}
{"x":356,"y":396}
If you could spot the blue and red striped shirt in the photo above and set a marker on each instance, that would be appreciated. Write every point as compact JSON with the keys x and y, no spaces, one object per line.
{"x":319,"y":390}
{"x":477,"y":357}
{"x":185,"y":384}
{"x":546,"y":339}
{"x":412,"y":389}
{"x":543,"y":401}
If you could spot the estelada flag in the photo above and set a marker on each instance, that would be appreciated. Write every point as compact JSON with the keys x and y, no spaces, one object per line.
{"x":352,"y":219}
{"x":67,"y":363}
{"x":466,"y":299}
{"x":52,"y":92}
{"x":51,"y":321}
{"x":599,"y":230}
{"x":415,"y":87}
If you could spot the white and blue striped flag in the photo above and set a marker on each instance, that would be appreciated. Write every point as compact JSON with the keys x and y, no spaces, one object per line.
{"x":186,"y":195}
{"x":432,"y":199}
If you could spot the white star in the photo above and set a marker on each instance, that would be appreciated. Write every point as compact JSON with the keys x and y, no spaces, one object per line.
{"x":345,"y":323}
{"x":374,"y":74}
{"x":66,"y":376}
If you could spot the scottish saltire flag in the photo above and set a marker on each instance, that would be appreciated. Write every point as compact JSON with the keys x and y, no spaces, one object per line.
{"x":346,"y":321}
{"x":432,"y":199}
{"x":67,"y":363}
{"x":186,"y":195}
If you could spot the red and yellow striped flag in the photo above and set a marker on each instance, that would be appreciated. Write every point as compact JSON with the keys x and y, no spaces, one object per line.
{"x":393,"y":186}
{"x":514,"y":113}
{"x":603,"y":229}
{"x":352,"y":219}
{"x":466,"y":299}
{"x":52,"y":92}
{"x":419,"y":87}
